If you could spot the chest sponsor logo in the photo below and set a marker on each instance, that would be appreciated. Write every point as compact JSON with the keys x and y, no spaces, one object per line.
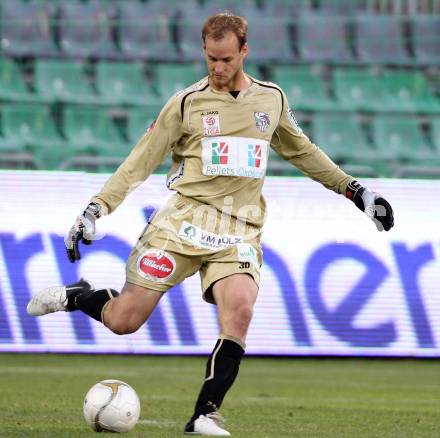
{"x":262,"y":120}
{"x":211,"y":123}
{"x":234,"y":156}
{"x":254,"y":155}
{"x":220,"y":152}
{"x":156,"y":265}
{"x":200,"y":238}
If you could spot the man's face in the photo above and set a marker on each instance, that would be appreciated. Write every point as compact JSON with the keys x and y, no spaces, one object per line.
{"x":224,"y":60}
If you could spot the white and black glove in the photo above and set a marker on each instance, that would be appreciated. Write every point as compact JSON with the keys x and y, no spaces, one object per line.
{"x":374,"y":205}
{"x":83,"y":229}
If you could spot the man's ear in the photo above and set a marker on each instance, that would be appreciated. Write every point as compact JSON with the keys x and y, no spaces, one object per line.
{"x":244,"y":50}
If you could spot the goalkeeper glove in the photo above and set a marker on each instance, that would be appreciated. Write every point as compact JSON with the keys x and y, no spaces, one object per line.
{"x":372,"y":204}
{"x":83,"y":229}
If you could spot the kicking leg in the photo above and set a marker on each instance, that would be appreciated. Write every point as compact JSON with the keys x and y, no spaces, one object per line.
{"x":121,"y":313}
{"x":126,"y":313}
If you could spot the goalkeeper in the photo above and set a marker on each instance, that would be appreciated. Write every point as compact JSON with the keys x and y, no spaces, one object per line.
{"x":219,"y":132}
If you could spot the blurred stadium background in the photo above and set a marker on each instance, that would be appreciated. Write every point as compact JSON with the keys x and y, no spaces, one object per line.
{"x":81,"y":80}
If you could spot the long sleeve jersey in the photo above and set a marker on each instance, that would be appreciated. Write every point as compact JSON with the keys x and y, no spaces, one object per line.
{"x":220,"y":148}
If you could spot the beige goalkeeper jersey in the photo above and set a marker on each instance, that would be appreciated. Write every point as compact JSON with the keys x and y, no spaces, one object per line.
{"x":220,"y":148}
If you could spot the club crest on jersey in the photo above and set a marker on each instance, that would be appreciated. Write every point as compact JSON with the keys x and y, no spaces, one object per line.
{"x":262,"y":120}
{"x":211,"y":124}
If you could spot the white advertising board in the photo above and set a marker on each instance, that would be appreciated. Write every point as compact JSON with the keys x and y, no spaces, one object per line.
{"x":331,"y":284}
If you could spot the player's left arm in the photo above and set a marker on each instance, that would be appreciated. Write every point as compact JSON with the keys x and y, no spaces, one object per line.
{"x":294,"y":146}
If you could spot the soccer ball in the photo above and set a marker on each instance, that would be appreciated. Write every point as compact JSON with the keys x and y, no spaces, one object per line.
{"x":112,"y":406}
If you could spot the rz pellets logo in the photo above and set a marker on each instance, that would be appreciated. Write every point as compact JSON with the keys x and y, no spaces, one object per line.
{"x":220,"y":153}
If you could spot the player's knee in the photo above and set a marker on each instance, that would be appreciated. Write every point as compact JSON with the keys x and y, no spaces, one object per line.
{"x":242,"y":317}
{"x":122,"y":319}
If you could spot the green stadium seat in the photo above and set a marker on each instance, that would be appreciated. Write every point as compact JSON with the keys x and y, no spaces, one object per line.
{"x":425,"y":31}
{"x":145,"y":32}
{"x":171,"y":78}
{"x":50,"y":5}
{"x":394,"y":90}
{"x":26,"y":29}
{"x":30,"y":124}
{"x":342,"y":7}
{"x":286,"y":9}
{"x":304,"y":89}
{"x":253,"y":70}
{"x":274,"y":44}
{"x":138,"y":121}
{"x":410,"y":92}
{"x":359,"y":90}
{"x":88,"y":162}
{"x":13,"y":157}
{"x":365,"y":170}
{"x":400,"y":138}
{"x":189,"y":22}
{"x":63,"y":81}
{"x":31,"y":141}
{"x":92,"y":130}
{"x":379,"y":39}
{"x":86,"y":29}
{"x":8,"y":145}
{"x":123,"y":83}
{"x":96,"y":141}
{"x":341,"y":137}
{"x":50,"y":157}
{"x":12,"y":85}
{"x":278,"y":166}
{"x":435,"y":133}
{"x":428,"y":170}
{"x":323,"y":38}
{"x":239,"y":8}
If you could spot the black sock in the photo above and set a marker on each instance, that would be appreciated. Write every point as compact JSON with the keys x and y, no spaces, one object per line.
{"x":221,"y":371}
{"x":91,"y":302}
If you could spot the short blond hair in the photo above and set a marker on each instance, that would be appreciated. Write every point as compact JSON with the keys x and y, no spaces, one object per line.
{"x":216,"y":26}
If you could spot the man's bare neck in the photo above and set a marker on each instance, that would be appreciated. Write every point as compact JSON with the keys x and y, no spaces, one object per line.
{"x":239,"y":83}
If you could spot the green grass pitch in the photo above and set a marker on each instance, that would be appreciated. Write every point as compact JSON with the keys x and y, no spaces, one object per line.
{"x":42,"y":395}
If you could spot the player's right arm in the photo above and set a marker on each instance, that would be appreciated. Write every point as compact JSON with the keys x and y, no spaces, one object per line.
{"x":149,"y":152}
